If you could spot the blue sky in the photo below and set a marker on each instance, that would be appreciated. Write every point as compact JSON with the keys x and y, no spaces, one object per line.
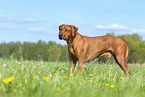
{"x":33,"y":20}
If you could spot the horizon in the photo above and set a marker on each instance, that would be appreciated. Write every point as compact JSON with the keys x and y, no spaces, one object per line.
{"x":31,"y":21}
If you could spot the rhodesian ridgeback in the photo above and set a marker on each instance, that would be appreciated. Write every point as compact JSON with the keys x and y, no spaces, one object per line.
{"x":83,"y":49}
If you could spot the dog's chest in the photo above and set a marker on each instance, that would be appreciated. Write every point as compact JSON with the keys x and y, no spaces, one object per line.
{"x":73,"y":50}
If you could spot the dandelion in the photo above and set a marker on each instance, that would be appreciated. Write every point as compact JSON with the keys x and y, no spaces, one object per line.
{"x":45,"y":78}
{"x":8,"y":80}
{"x":33,"y":76}
{"x":20,"y":85}
{"x":19,"y":67}
{"x":59,"y":90}
{"x":107,"y":85}
{"x":2,"y":87}
{"x":99,"y":84}
{"x":47,"y":74}
{"x":121,"y":78}
{"x":64,"y":76}
{"x":136,"y":78}
{"x":90,"y":75}
{"x":90,"y":81}
{"x":111,"y":76}
{"x":112,"y":86}
{"x":0,"y":66}
{"x":71,"y":74}
{"x":38,"y":72}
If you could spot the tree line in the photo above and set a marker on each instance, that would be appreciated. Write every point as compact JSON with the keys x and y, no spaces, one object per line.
{"x":52,"y":51}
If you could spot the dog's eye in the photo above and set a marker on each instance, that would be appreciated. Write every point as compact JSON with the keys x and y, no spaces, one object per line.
{"x":66,"y":30}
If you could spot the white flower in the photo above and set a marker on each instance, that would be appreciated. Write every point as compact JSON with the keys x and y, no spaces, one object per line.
{"x":62,"y":71}
{"x":4,"y":65}
{"x":84,"y":66}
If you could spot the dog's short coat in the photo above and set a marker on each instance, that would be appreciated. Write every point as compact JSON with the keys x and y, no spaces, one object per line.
{"x":83,"y":48}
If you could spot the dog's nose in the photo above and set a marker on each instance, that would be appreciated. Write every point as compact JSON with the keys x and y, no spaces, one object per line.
{"x":60,"y":36}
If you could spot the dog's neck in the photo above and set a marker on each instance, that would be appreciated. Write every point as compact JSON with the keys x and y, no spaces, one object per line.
{"x":71,"y":39}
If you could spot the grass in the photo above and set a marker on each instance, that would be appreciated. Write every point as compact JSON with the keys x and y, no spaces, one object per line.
{"x":52,"y":79}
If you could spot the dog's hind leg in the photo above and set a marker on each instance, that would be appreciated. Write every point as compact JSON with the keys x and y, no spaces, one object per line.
{"x":120,"y":57}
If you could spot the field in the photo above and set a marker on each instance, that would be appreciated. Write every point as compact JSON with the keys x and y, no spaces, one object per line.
{"x":52,"y":79}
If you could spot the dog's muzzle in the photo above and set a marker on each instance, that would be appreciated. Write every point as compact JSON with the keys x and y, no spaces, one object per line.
{"x":60,"y":36}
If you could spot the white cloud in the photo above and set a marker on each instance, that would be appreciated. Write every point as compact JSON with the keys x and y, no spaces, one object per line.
{"x":27,"y":20}
{"x":38,"y":30}
{"x":2,"y":16}
{"x":24,"y":20}
{"x":10,"y":27}
{"x":113,"y":26}
{"x":118,"y":29}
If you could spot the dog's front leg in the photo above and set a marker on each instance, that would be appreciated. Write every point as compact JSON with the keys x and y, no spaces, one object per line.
{"x":81,"y":66}
{"x":72,"y":66}
{"x":81,"y":62}
{"x":73,"y":61}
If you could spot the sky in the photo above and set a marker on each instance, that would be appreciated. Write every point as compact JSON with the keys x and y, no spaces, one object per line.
{"x":34,"y":20}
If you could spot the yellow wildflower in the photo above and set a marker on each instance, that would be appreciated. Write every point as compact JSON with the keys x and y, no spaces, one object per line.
{"x":8,"y":80}
{"x":71,"y":74}
{"x":2,"y":87}
{"x":121,"y":78}
{"x":47,"y":74}
{"x":99,"y":84}
{"x":112,"y":86}
{"x":45,"y":78}
{"x":111,"y":75}
{"x":38,"y":72}
{"x":19,"y":67}
{"x":107,"y":85}
{"x":136,"y":78}
{"x":90,"y":81}
{"x":90,"y":75}
{"x":59,"y":90}
{"x":33,"y":76}
{"x":20,"y":85}
{"x":0,"y":66}
{"x":64,"y":76}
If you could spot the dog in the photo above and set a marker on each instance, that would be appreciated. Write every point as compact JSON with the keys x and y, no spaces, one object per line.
{"x":83,"y":49}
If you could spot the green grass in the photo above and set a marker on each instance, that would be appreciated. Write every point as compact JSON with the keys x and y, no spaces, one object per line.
{"x":96,"y":80}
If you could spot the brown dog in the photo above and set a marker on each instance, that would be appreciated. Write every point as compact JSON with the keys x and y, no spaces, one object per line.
{"x":83,"y":48}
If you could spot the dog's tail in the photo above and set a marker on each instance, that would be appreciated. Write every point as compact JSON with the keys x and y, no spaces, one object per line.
{"x":127,"y":50}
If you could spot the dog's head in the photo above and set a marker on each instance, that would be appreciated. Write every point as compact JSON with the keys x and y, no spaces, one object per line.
{"x":67,"y":31}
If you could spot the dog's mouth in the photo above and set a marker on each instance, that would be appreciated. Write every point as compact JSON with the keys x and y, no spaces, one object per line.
{"x":61,"y":37}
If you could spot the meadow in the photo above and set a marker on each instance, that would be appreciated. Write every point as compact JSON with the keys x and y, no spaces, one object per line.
{"x":52,"y":79}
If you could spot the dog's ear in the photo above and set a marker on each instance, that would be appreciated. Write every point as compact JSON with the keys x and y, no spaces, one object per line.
{"x":61,"y":26}
{"x":74,"y":30}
